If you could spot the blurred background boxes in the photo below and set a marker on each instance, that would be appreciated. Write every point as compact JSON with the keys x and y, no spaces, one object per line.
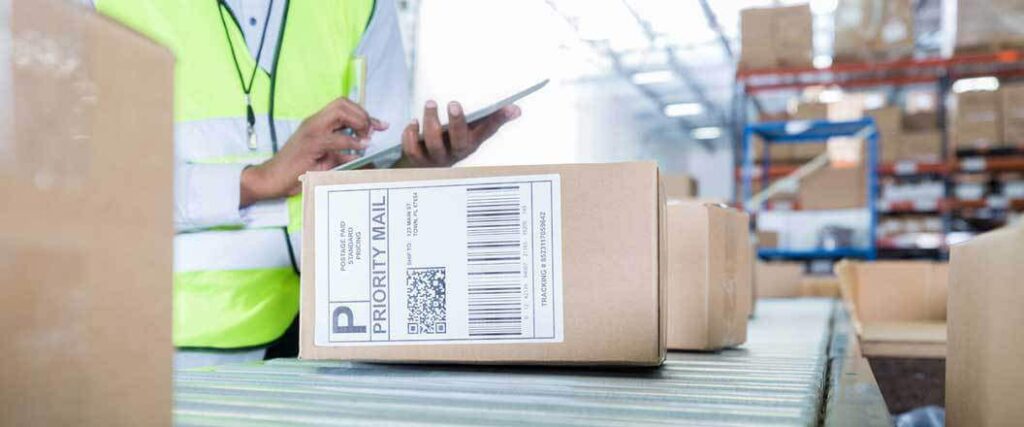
{"x":989,"y":26}
{"x":976,"y":122}
{"x":873,"y":30}
{"x":776,"y":37}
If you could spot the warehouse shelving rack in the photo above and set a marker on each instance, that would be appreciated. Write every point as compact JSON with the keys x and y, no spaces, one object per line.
{"x":798,"y":132}
{"x":941,"y":72}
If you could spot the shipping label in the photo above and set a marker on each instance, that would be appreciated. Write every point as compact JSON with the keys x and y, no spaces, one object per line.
{"x":443,"y":261}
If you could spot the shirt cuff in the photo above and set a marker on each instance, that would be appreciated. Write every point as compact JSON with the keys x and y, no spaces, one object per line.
{"x":213,"y":194}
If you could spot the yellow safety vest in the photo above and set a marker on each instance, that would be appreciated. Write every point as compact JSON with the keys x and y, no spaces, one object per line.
{"x":235,"y":286}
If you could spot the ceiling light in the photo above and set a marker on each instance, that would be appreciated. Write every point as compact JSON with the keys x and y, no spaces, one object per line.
{"x":706,"y":133}
{"x":652,"y":77}
{"x":683,"y":109}
{"x":977,"y":83}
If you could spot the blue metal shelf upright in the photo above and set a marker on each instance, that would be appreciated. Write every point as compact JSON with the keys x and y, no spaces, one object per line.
{"x":796,"y":132}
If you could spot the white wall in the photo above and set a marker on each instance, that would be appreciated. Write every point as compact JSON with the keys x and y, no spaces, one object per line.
{"x":477,"y":51}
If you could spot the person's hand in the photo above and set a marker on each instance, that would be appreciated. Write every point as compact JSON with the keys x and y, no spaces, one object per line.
{"x":316,"y":145}
{"x":438,"y":148}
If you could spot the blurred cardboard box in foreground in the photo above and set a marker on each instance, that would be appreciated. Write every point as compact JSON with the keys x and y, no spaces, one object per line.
{"x":86,"y":150}
{"x":983,"y":374}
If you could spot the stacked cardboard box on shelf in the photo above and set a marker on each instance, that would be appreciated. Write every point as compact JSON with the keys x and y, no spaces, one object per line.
{"x":870,"y":30}
{"x":889,"y":121}
{"x":977,"y":122}
{"x":834,"y":188}
{"x":1012,"y":112}
{"x":983,"y":374}
{"x":86,"y":244}
{"x":989,"y":26}
{"x":779,"y":37}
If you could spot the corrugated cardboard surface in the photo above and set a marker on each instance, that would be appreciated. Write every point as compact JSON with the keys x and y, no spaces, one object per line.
{"x":86,"y":240}
{"x":1012,"y":104}
{"x":834,"y":188}
{"x":778,"y":279}
{"x":989,"y":25}
{"x":977,"y":120}
{"x":924,"y":146}
{"x":896,"y":297}
{"x":709,"y":277}
{"x":679,"y":187}
{"x":984,"y":378}
{"x":776,"y":37}
{"x":612,"y":276}
{"x":868,"y":30}
{"x":889,"y":121}
{"x":767,"y":239}
{"x":793,"y":36}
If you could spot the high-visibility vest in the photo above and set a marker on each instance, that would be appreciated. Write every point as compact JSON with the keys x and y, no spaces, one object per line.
{"x":235,"y":286}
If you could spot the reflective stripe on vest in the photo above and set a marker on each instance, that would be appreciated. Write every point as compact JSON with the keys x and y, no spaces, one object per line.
{"x":236,"y":287}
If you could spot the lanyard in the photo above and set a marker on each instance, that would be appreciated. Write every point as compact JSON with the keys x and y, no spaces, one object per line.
{"x":250,"y":116}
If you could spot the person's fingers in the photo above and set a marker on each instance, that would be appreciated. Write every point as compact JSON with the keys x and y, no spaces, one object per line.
{"x":378,"y":125}
{"x":488,"y":126}
{"x":338,"y":141}
{"x":432,"y":137}
{"x":458,"y":132}
{"x":343,"y":113}
{"x":411,"y":143}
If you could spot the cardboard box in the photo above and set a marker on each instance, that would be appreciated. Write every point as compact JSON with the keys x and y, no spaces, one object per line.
{"x":989,"y":26}
{"x":983,"y":375}
{"x":811,"y":111}
{"x":679,"y":187}
{"x":819,"y":287}
{"x":767,"y":239}
{"x":793,"y":32}
{"x":752,"y":265}
{"x":873,"y":30}
{"x":921,"y":121}
{"x":709,"y":279}
{"x":923,"y":146}
{"x":889,"y":121}
{"x":834,"y":188}
{"x":569,"y":261}
{"x":778,"y":279}
{"x":1012,"y":105}
{"x":86,"y":242}
{"x":897,"y":307}
{"x":977,"y":120}
{"x":756,"y":51}
{"x":776,"y":37}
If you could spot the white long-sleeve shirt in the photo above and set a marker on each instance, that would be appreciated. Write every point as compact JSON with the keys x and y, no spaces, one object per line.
{"x":208,"y":195}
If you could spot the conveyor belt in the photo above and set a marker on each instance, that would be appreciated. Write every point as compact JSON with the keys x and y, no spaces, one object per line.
{"x":777,"y":378}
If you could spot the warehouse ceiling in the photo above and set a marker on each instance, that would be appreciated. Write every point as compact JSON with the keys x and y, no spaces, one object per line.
{"x":680,"y":56}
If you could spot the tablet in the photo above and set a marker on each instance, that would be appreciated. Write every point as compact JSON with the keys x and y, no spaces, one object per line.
{"x":396,"y":150}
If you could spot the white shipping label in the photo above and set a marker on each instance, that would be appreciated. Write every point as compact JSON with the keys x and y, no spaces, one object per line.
{"x":463,"y":261}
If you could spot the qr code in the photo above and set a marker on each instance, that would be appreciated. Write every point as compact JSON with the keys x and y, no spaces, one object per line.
{"x":426,"y":304}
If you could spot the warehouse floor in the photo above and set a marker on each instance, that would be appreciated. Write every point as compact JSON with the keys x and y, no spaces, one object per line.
{"x":778,"y":377}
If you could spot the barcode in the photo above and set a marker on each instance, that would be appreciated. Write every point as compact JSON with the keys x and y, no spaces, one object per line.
{"x":494,"y":258}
